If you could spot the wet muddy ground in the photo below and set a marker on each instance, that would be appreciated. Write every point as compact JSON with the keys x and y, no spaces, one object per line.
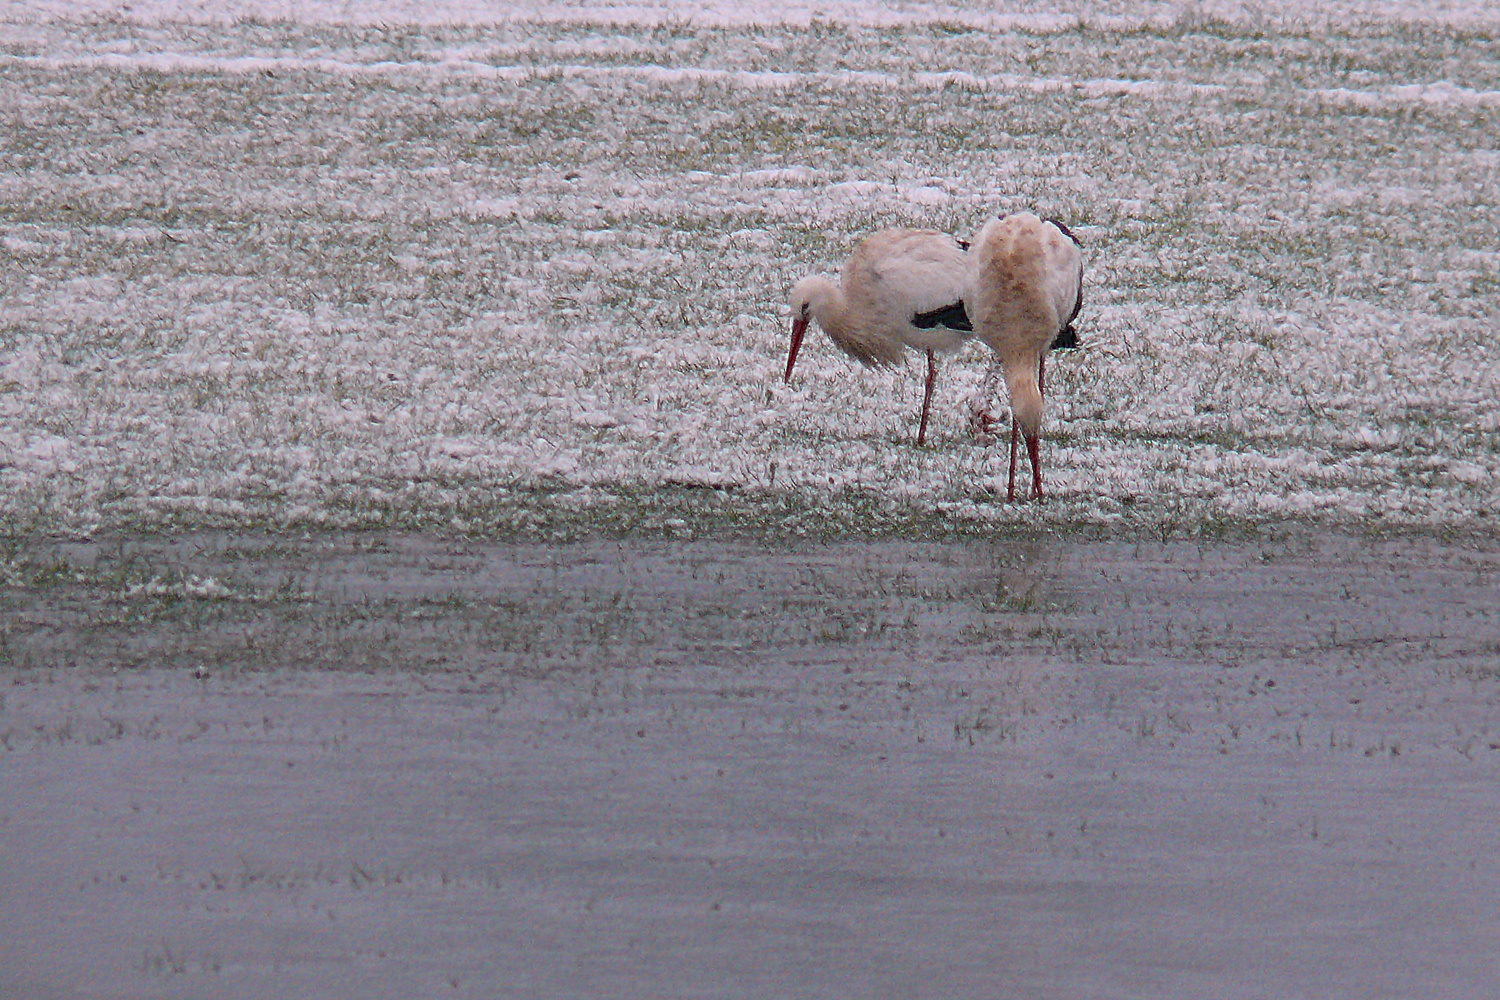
{"x":395,"y":766}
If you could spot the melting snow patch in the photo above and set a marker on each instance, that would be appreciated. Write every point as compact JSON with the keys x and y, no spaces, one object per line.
{"x":701,"y":477}
{"x":597,"y":419}
{"x":459,"y":448}
{"x":41,"y":454}
{"x":202,"y":588}
{"x":1468,"y":472}
{"x":926,"y":195}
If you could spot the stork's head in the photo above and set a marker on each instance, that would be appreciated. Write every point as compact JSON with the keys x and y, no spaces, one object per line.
{"x":1025,"y":402}
{"x":1026,"y":411}
{"x":808,"y":300}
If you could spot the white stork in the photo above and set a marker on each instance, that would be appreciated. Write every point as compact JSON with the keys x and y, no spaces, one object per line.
{"x":901,"y":288}
{"x":1024,"y":291}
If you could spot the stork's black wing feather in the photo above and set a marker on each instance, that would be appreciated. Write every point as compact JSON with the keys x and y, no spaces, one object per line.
{"x":1078,"y":304}
{"x":1067,"y":336}
{"x":1065,"y":231}
{"x":953,"y":316}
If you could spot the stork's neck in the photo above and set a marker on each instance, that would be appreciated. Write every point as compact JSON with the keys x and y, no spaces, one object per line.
{"x":1025,"y":395}
{"x":828,"y":305}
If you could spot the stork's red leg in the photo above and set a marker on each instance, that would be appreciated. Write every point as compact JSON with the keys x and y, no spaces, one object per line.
{"x":1015,"y":430}
{"x":1034,"y":447}
{"x":927,"y":397}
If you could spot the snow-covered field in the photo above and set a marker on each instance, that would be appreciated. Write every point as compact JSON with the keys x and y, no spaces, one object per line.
{"x":523,"y":266}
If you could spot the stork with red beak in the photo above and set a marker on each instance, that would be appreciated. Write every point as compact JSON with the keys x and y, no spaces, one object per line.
{"x":900,"y":288}
{"x":1024,"y":290}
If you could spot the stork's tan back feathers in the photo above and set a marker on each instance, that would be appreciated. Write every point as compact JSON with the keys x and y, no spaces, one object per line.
{"x":1023,"y":285}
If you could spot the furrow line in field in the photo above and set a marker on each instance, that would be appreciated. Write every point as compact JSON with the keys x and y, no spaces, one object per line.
{"x":1033,"y":17}
{"x":174,"y":63}
{"x":1438,"y":94}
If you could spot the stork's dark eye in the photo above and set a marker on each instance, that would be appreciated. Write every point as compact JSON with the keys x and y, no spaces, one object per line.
{"x":806,"y":308}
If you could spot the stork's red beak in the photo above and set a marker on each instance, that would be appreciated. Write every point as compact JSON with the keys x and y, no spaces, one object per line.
{"x":799,"y":329}
{"x":1034,"y":449}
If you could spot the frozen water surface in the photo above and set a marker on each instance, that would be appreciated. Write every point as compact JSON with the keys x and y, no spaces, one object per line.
{"x":401,"y":767}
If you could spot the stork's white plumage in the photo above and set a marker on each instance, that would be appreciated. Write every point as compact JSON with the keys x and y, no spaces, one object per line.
{"x":1024,"y":291}
{"x":900,"y":288}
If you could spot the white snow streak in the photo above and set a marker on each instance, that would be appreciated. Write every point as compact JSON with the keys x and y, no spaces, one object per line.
{"x":1034,"y":16}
